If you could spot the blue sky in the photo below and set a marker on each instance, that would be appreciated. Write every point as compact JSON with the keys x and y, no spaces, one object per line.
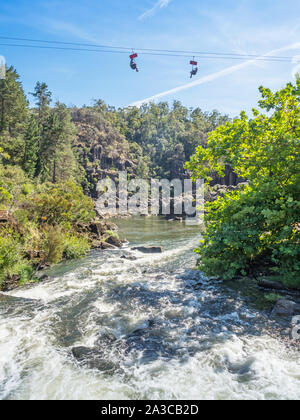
{"x":76,"y":78}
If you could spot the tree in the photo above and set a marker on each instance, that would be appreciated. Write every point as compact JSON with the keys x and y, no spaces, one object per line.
{"x":13,"y":104}
{"x":258,"y":227}
{"x":32,"y":146}
{"x":43,"y":99}
{"x":57,"y":158}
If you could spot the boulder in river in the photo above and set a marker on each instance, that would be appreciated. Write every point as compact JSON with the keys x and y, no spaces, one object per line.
{"x":106,"y":245}
{"x":267,"y":284}
{"x":149,"y":249}
{"x":284,"y":308}
{"x":115,"y":241}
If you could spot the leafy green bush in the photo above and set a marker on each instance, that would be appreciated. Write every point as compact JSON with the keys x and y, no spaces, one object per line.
{"x":244,"y":234}
{"x":10,"y":255}
{"x":256,"y":230}
{"x":4,"y":197}
{"x":14,"y":181}
{"x":62,"y":204}
{"x":111,"y":233}
{"x":75,"y":247}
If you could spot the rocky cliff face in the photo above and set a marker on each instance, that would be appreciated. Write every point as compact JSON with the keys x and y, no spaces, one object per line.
{"x":101,"y":149}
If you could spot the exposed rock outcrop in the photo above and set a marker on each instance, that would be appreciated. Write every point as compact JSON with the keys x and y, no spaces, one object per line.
{"x":103,"y":234}
{"x":149,"y":249}
{"x":101,"y":148}
{"x":284,"y":308}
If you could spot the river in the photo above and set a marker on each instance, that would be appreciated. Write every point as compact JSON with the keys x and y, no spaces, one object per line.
{"x":161,"y":330}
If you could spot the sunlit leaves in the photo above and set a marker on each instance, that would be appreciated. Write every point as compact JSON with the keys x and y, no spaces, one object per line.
{"x":255,"y":230}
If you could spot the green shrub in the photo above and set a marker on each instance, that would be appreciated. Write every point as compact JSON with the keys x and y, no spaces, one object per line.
{"x":5,"y":197}
{"x":62,"y":204}
{"x":11,"y":257}
{"x":272,"y":297}
{"x":75,"y":247}
{"x":111,"y":233}
{"x":15,"y":182}
{"x":255,"y":230}
{"x":53,"y":243}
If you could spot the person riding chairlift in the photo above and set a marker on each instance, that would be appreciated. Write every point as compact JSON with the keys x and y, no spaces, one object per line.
{"x":194,"y":67}
{"x":194,"y":72}
{"x":133,"y":65}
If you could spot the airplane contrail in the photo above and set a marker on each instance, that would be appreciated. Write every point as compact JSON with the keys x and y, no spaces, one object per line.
{"x":160,"y":4}
{"x":214,"y":76}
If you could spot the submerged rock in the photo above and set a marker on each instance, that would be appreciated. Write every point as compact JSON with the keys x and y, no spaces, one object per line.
{"x":149,"y":249}
{"x":92,"y":358}
{"x":43,"y":277}
{"x":105,"y":339}
{"x":129,"y":257}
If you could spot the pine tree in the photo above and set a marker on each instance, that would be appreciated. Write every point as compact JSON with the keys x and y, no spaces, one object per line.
{"x":32,"y":146}
{"x":13,"y":104}
{"x":57,"y":159}
{"x":43,"y":99}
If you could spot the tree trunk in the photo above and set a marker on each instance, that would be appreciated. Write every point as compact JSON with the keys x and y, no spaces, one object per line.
{"x":54,"y":172}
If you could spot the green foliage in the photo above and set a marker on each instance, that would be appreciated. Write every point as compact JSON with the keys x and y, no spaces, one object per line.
{"x":48,"y":153}
{"x":14,"y":185}
{"x":255,"y":230}
{"x":53,"y":245}
{"x":160,"y":137}
{"x":75,"y":247}
{"x":57,"y":159}
{"x":272,"y":297}
{"x":5,"y":197}
{"x":32,"y":147}
{"x":252,"y":229}
{"x":61,"y":204}
{"x":111,"y":233}
{"x":43,"y":98}
{"x":14,"y":148}
{"x":10,"y":254}
{"x":264,"y":147}
{"x":13,"y":104}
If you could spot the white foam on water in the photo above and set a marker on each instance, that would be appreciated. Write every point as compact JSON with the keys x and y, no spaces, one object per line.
{"x":34,"y":364}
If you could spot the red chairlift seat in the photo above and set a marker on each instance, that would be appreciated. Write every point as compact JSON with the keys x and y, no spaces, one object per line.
{"x":133,"y":56}
{"x":194,"y":63}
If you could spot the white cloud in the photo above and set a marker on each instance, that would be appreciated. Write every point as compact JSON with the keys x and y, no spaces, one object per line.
{"x":160,"y":4}
{"x":214,"y":76}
